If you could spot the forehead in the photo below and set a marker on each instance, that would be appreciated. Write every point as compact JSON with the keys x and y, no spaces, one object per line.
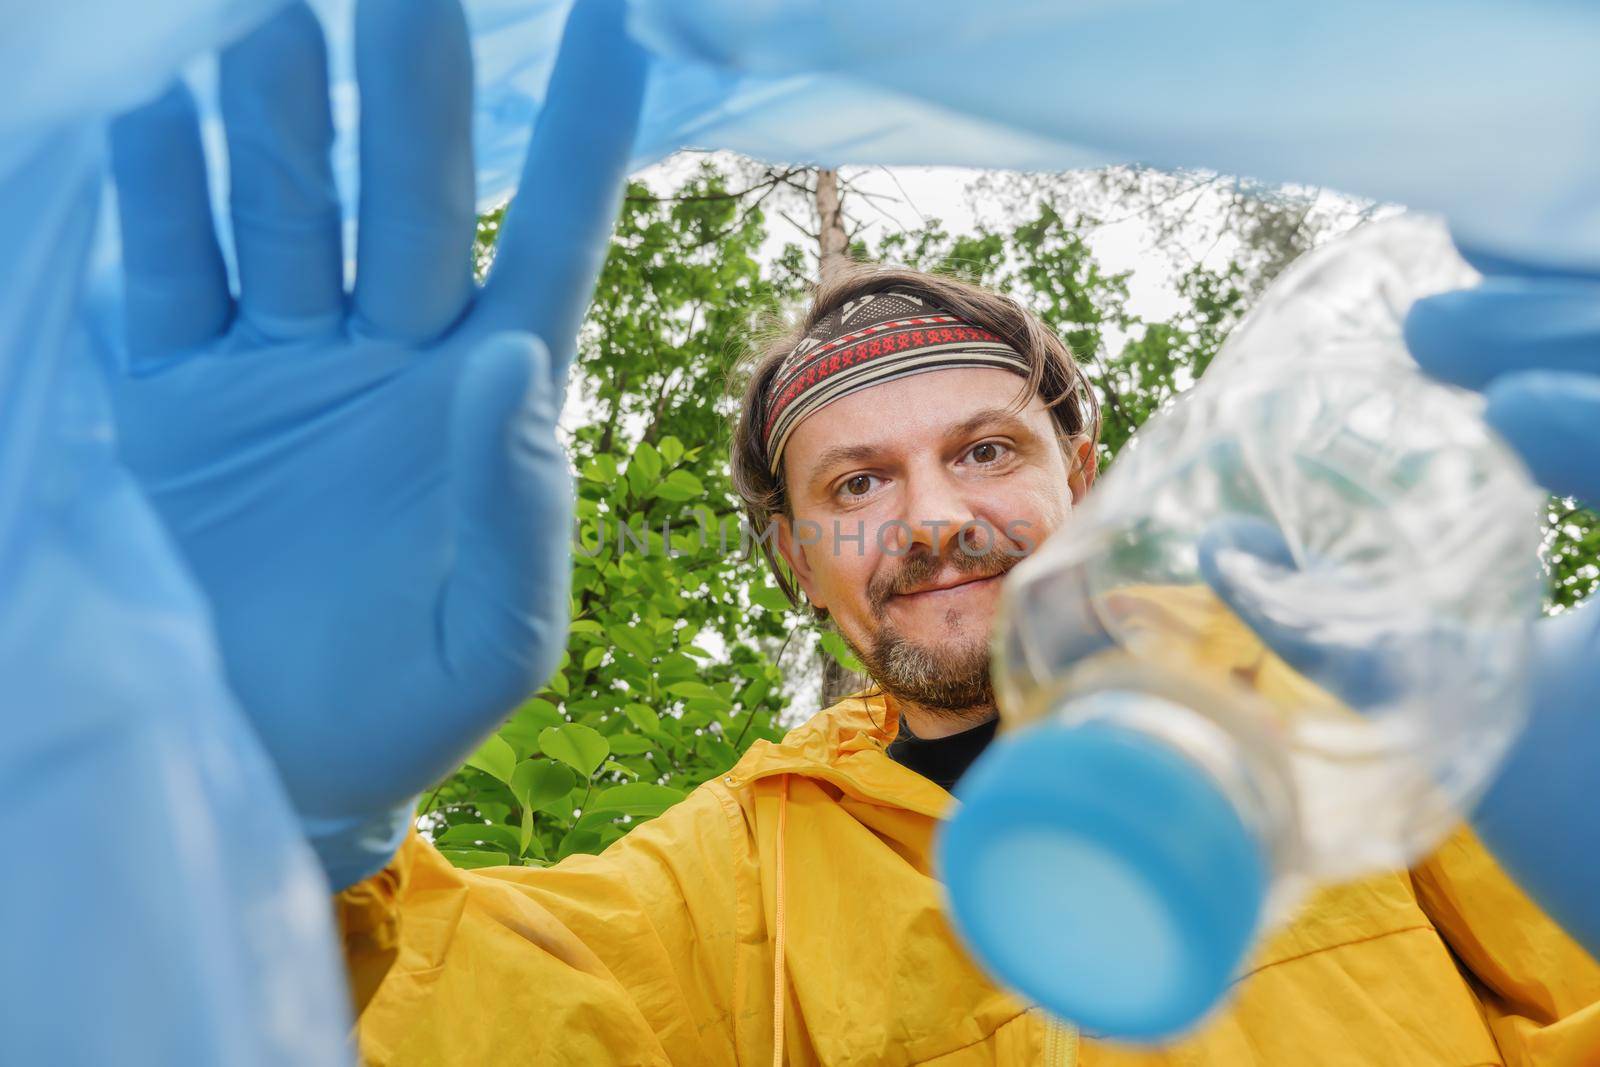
{"x":909,"y":413}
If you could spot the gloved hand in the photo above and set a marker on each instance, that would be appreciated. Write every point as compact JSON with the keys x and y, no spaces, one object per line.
{"x":1247,"y":562}
{"x":368,"y":484}
{"x":1531,"y":341}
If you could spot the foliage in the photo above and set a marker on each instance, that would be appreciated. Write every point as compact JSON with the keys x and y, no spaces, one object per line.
{"x":669,"y":673}
{"x":1571,"y":554}
{"x":664,"y":682}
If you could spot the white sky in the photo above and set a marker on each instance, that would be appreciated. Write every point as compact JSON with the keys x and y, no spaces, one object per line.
{"x":903,"y":198}
{"x":942,"y":193}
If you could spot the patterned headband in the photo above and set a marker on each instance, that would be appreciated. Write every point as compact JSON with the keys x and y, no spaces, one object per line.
{"x":873,"y":339}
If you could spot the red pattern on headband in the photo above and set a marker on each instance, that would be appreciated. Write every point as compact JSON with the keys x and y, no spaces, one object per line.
{"x":872,"y":339}
{"x":885,"y":339}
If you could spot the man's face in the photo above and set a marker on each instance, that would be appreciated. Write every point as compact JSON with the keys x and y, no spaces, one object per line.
{"x":910,"y":499}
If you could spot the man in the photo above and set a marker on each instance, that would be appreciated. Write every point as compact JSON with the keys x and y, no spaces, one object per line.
{"x":911,"y":440}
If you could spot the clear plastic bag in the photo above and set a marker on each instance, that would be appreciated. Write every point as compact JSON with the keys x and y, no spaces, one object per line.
{"x":158,"y":905}
{"x":1389,"y":100}
{"x":1379,"y":99}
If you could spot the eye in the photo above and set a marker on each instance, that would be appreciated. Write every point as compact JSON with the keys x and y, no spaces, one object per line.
{"x":988,"y":453}
{"x":857,"y":485}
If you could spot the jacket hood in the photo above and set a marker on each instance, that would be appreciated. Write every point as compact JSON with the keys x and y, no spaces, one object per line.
{"x":844,"y":745}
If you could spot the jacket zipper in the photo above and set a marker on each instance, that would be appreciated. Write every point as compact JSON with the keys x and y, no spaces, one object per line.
{"x":1060,"y":1044}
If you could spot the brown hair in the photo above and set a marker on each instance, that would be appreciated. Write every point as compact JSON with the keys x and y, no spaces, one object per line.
{"x":1054,"y":376}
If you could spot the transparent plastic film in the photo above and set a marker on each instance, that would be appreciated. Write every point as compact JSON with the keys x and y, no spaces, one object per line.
{"x":1050,"y":87}
{"x":1381,"y":99}
{"x":1328,"y":551}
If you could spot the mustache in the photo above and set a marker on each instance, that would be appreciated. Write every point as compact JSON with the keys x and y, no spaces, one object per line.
{"x":918,"y":569}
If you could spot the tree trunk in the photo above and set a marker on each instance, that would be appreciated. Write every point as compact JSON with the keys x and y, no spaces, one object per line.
{"x":830,"y":224}
{"x":833,"y":254}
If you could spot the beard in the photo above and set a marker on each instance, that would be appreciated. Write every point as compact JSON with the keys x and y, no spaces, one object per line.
{"x":949,"y":675}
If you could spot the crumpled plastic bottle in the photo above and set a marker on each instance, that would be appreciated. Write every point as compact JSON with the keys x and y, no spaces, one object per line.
{"x":1283,"y":643}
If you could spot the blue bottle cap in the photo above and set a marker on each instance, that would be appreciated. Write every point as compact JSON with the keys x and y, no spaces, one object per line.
{"x":1103,"y":875}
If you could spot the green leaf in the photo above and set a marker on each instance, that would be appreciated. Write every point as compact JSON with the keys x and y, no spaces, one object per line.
{"x":638,"y":484}
{"x":648,"y":460}
{"x":630,"y":745}
{"x":642,"y":716}
{"x":834,"y":645}
{"x":671,"y":450}
{"x":755,"y":692}
{"x":494,"y":757}
{"x":679,"y":486}
{"x":713,"y":702}
{"x":522,"y":731}
{"x":769,"y":597}
{"x":471,"y":859}
{"x":585,"y":626}
{"x":640,"y":766}
{"x":618,"y":768}
{"x":602,"y":468}
{"x":594,"y":820}
{"x":631,"y":639}
{"x":539,"y":783}
{"x":637,"y":798}
{"x":592,"y":658}
{"x":577,"y":840}
{"x":718,"y":751}
{"x":472,"y":836}
{"x":692,"y":689}
{"x":538,"y":710}
{"x":676,"y":667}
{"x":527,"y":840}
{"x":576,"y":745}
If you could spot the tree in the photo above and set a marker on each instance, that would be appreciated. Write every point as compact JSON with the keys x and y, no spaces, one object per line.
{"x":841,"y":675}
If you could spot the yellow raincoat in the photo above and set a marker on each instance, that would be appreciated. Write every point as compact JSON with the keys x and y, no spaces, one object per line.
{"x":789,"y":905}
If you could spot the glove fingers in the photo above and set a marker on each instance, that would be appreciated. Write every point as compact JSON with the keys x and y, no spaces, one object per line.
{"x":417,"y":218}
{"x":274,"y":90}
{"x":1550,"y":419}
{"x":1505,"y":325}
{"x":506,"y":606}
{"x":1243,"y":559}
{"x":175,"y":284}
{"x":1538,"y":817}
{"x":557,"y":230}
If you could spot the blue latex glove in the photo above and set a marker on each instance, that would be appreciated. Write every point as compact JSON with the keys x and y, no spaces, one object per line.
{"x":368,"y":484}
{"x":1243,"y":560}
{"x":1531,"y":341}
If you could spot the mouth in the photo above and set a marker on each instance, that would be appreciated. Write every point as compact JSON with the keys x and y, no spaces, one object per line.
{"x":959,"y":588}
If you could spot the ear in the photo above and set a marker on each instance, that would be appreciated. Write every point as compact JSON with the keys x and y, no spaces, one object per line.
{"x":794,"y":554}
{"x":1085,"y":465}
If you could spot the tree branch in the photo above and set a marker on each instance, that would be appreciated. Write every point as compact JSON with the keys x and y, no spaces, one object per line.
{"x":772,"y":179}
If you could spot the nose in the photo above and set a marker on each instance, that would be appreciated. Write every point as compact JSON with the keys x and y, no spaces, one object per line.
{"x":935,"y":514}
